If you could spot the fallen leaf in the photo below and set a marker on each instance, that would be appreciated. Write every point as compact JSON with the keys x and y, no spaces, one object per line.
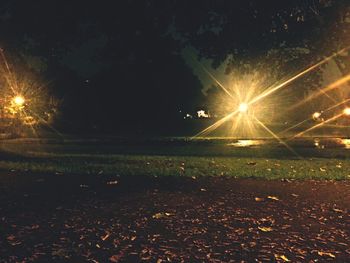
{"x":265,"y":229}
{"x":283,"y":257}
{"x":273,"y":197}
{"x":322,"y":169}
{"x":11,"y":238}
{"x":286,"y":227}
{"x":259,"y":199}
{"x":338,"y":210}
{"x":63,"y":253}
{"x":105,"y":237}
{"x":115,"y":258}
{"x":161,"y":215}
{"x":321,"y":253}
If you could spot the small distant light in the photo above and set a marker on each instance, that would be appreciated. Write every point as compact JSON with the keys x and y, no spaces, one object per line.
{"x":202,"y":114}
{"x":316,"y":115}
{"x":346,"y":143}
{"x":18,"y":101}
{"x":347,"y":111}
{"x":243,"y":107}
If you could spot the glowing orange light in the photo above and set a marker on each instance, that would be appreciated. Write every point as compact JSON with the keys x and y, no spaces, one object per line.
{"x":243,"y":107}
{"x":252,"y":99}
{"x":246,"y":143}
{"x":347,"y":111}
{"x":18,"y":100}
{"x":316,"y":115}
{"x":346,"y":143}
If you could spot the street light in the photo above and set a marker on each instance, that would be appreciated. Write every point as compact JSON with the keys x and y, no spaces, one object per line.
{"x":243,"y":107}
{"x":18,"y":101}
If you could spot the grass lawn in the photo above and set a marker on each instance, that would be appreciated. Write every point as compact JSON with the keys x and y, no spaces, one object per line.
{"x":175,"y":158}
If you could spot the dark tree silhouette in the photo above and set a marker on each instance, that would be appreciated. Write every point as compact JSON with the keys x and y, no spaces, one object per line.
{"x":118,"y":65}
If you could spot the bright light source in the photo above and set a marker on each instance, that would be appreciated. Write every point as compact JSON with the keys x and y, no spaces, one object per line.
{"x":347,"y":111}
{"x":245,"y":143}
{"x":202,"y":114}
{"x":243,"y":107}
{"x":346,"y":143}
{"x":18,"y":101}
{"x":316,"y":115}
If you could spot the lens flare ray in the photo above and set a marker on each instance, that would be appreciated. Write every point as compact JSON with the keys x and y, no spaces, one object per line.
{"x":318,"y":125}
{"x":271,"y":90}
{"x":295,"y":126}
{"x":25,"y":103}
{"x":9,"y":76}
{"x":215,"y":125}
{"x":213,"y":78}
{"x":246,"y":101}
{"x":276,"y":137}
{"x":324,"y":111}
{"x":322,"y":91}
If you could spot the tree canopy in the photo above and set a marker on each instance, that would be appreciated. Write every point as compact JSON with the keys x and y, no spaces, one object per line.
{"x":117,"y":64}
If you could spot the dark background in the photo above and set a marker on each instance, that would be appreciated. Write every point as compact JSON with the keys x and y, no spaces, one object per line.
{"x":116,"y":66}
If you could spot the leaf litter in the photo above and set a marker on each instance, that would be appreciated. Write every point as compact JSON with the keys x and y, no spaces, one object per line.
{"x":178,"y":223}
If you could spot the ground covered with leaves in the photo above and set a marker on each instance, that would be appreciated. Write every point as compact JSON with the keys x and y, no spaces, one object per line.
{"x":100,"y":218}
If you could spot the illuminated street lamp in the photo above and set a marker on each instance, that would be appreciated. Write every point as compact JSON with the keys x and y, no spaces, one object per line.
{"x":347,"y":111}
{"x":243,"y":107}
{"x":18,"y":101}
{"x":316,"y":115}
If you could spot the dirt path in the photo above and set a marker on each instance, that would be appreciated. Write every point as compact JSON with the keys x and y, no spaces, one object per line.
{"x":100,"y":219}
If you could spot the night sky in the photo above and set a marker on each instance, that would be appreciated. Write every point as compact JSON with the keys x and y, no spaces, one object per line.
{"x":128,"y":67}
